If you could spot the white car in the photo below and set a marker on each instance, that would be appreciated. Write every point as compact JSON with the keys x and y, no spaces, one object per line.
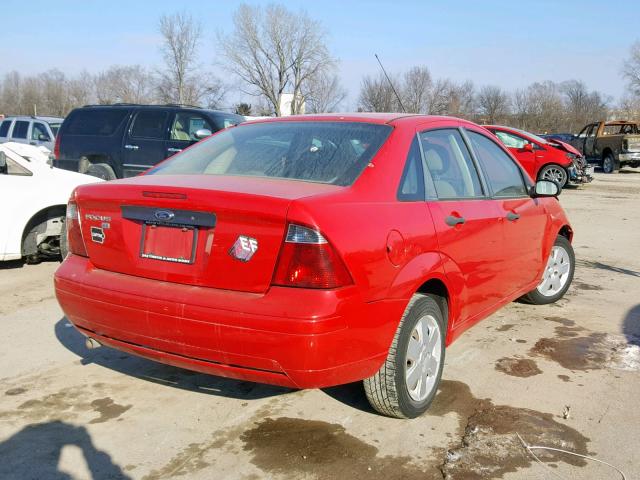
{"x":33,"y":199}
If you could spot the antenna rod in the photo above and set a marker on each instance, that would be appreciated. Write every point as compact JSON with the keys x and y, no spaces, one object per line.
{"x":390,"y":83}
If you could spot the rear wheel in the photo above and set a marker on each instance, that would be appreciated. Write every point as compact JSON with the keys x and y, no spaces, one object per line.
{"x":554,"y":173}
{"x":407,"y":382}
{"x":609,"y":164}
{"x":557,"y":275}
{"x":101,"y":170}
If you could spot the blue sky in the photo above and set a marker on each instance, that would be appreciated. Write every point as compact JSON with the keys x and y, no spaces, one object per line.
{"x":507,"y":43}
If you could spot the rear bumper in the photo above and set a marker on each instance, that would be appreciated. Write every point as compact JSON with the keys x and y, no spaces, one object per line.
{"x":71,"y":165}
{"x":292,"y":337}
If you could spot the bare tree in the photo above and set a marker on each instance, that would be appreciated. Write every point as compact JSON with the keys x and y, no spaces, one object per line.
{"x":323,"y":93}
{"x":181,"y":35}
{"x":462,"y":100}
{"x":272,"y":49}
{"x":377,"y":95}
{"x":415,"y":89}
{"x":493,"y":104}
{"x":581,"y":105}
{"x":438,"y":102}
{"x":631,"y":69}
{"x":124,"y":84}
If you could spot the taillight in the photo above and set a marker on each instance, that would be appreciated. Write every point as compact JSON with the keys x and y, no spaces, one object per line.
{"x":75,"y":243}
{"x":308,"y":260}
{"x":56,"y":148}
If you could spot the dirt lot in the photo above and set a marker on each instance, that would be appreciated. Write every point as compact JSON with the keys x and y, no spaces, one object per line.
{"x":564,"y":375}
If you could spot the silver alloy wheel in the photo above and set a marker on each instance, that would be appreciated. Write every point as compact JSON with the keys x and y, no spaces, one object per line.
{"x":555,"y":174}
{"x":424,"y":352}
{"x":556,"y":273}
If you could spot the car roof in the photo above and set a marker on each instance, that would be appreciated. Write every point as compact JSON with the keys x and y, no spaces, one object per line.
{"x":169,"y":106}
{"x":365,"y":117}
{"x":33,"y":117}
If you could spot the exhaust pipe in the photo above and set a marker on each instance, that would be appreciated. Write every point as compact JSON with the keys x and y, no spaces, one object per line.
{"x":92,"y":343}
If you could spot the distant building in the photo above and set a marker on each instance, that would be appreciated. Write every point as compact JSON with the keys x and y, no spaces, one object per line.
{"x":286,"y":99}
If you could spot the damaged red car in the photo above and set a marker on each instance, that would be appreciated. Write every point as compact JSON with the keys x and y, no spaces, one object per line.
{"x":315,"y":251}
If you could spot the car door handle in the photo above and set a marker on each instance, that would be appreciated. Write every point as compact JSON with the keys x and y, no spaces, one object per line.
{"x":512,"y":217}
{"x":174,"y":150}
{"x":131,"y":147}
{"x":452,"y":221}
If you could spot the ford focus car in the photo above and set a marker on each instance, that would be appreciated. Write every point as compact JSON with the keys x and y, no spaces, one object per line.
{"x":315,"y":251}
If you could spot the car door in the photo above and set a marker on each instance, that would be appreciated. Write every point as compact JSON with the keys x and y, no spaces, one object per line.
{"x":467,"y":221}
{"x":144,"y":141}
{"x":15,"y":188}
{"x":525,"y":151}
{"x":182,"y":132}
{"x":20,"y":131}
{"x":523,"y":218}
{"x":590,"y":140}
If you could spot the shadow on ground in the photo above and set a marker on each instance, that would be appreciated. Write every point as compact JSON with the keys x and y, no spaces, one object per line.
{"x":159,"y":373}
{"x":605,"y":266}
{"x":34,"y":452}
{"x":631,"y":326}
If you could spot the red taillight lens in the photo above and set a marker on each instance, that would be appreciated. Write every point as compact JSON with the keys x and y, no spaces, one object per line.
{"x":75,"y":243}
{"x":307,"y":260}
{"x":56,"y":148}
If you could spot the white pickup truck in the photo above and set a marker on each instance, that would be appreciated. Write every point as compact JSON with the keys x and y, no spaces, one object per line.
{"x":33,"y":200}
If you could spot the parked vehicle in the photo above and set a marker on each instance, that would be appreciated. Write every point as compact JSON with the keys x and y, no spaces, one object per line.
{"x":33,"y":198}
{"x":545,"y":159}
{"x":37,"y":131}
{"x":119,"y":141}
{"x":563,"y":137}
{"x":612,"y":145}
{"x":312,"y":251}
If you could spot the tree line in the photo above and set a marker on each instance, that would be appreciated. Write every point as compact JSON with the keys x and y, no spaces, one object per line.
{"x":271,"y":50}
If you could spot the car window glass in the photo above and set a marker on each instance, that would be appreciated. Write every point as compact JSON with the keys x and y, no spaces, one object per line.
{"x":503,"y":175}
{"x":38,"y":129}
{"x":20,"y":129}
{"x":4,"y":128}
{"x":450,"y":165}
{"x":149,"y":124}
{"x":510,"y":140}
{"x":14,"y":168}
{"x":54,"y":128}
{"x":185,"y":125}
{"x":98,"y":121}
{"x":591,"y":132}
{"x":412,"y":181}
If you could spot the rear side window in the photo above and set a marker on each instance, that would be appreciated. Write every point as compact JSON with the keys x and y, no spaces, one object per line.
{"x":503,"y":175}
{"x":325,"y":152}
{"x":412,"y":182}
{"x":4,"y":128}
{"x":20,"y":129}
{"x":453,"y":172}
{"x":510,"y":140}
{"x":149,"y":124}
{"x":100,"y":122}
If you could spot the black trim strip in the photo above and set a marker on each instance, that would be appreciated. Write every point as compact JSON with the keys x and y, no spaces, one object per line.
{"x":168,"y":216}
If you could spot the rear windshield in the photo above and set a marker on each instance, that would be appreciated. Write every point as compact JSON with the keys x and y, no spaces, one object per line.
{"x":95,"y":121}
{"x":325,"y":152}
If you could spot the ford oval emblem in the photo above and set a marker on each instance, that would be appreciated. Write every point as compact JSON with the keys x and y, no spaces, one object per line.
{"x":164,"y":215}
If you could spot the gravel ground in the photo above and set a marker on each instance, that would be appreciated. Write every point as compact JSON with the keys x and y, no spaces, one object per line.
{"x":564,"y":375}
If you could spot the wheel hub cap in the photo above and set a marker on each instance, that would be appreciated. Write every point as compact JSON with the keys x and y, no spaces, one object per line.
{"x":423,"y":358}
{"x":556,"y":273}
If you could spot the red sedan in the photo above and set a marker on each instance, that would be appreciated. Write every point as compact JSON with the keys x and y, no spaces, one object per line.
{"x":314,"y":251}
{"x":540,"y":158}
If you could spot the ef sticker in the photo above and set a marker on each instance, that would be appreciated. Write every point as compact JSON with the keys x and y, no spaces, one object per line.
{"x":97,"y":235}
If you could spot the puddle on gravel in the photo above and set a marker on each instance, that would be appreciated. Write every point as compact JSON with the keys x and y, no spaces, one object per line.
{"x":15,"y":391}
{"x":490,"y":448}
{"x":518,"y":367}
{"x":299,"y":447}
{"x":576,"y":349}
{"x":107,"y":409}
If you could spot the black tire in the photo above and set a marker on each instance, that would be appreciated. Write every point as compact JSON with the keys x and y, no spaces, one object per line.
{"x":554,"y":173}
{"x":387,"y":390}
{"x":609,"y":164}
{"x":101,"y":170}
{"x":535,"y":297}
{"x":64,"y":247}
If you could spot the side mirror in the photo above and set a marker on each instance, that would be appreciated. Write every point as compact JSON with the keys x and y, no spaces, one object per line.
{"x":44,"y":138}
{"x":545,"y":188}
{"x":3,"y":164}
{"x":527,"y":147}
{"x":203,"y":133}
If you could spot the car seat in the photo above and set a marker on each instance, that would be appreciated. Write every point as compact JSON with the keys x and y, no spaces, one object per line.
{"x":178,"y":132}
{"x":438,"y":166}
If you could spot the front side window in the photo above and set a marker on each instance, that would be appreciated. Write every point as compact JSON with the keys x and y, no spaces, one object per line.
{"x":149,"y":124}
{"x":185,"y":126}
{"x":20,"y":129}
{"x":325,"y":152}
{"x":453,"y":172}
{"x":503,"y":175}
{"x":4,"y":128}
{"x":39,"y":129}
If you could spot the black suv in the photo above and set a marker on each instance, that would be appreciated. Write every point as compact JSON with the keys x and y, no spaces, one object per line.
{"x":123,"y":140}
